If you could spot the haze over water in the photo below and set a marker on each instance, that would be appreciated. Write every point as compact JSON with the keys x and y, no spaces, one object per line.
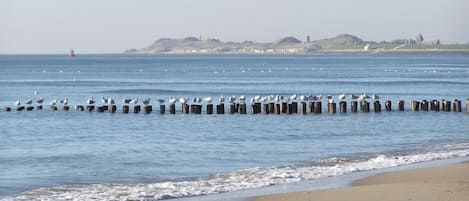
{"x":85,"y":155}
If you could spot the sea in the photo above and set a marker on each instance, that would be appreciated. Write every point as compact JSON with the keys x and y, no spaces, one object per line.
{"x":72,"y":155}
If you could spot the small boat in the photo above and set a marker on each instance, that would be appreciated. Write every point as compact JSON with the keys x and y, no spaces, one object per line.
{"x":72,"y":53}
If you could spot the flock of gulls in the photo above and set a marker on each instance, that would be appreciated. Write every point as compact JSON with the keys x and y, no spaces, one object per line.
{"x":197,"y":100}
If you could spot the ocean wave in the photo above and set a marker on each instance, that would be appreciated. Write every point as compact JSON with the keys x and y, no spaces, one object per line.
{"x":238,"y":180}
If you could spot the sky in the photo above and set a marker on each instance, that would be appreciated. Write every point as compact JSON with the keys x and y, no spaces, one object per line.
{"x":112,"y":26}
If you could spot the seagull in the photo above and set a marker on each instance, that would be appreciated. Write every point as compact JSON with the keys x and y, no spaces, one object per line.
{"x":293,"y":97}
{"x":303,"y":98}
{"x":198,"y":99}
{"x":36,"y":92}
{"x":270,"y":98}
{"x":160,"y":101}
{"x":231,"y":99}
{"x":221,"y":99}
{"x":53,"y":103}
{"x":111,"y":101}
{"x":353,"y":97}
{"x":342,"y":96}
{"x":17,"y":103}
{"x":104,"y":100}
{"x":134,"y":101}
{"x":126,"y":100}
{"x":375,"y":97}
{"x":253,"y":100}
{"x":90,"y":101}
{"x":64,"y":101}
{"x":242,"y":98}
{"x":146,"y":101}
{"x":172,"y":100}
{"x":208,"y":99}
{"x":29,"y":102}
{"x":40,"y":101}
{"x":277,"y":98}
{"x":257,"y":98}
{"x":183,"y":100}
{"x":363,"y":97}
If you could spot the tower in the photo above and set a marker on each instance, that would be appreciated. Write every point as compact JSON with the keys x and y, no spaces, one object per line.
{"x":308,"y":39}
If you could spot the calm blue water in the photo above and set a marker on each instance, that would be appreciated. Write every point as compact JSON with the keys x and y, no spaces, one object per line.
{"x":53,"y":155}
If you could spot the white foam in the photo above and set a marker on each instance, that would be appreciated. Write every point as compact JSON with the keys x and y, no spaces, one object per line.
{"x":234,"y":181}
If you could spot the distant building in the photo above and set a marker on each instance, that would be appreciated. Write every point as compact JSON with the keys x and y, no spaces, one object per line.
{"x":308,"y":39}
{"x":419,"y":39}
{"x":367,"y":47}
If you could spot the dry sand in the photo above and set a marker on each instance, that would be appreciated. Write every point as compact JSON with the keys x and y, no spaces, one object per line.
{"x":441,"y":183}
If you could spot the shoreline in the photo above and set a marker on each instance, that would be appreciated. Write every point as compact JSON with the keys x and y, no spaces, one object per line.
{"x":441,"y":182}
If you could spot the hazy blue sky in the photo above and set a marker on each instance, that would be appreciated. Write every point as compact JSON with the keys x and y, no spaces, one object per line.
{"x":91,"y":26}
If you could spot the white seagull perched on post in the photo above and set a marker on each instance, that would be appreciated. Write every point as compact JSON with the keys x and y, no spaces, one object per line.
{"x":363,"y":97}
{"x":111,"y":101}
{"x":104,"y":101}
{"x":353,"y":97}
{"x":242,"y":99}
{"x":183,"y":100}
{"x":40,"y":101}
{"x":53,"y":103}
{"x":293,"y":97}
{"x":160,"y":101}
{"x":134,"y":101}
{"x":146,"y":101}
{"x":303,"y":98}
{"x":221,"y":99}
{"x":172,"y":100}
{"x":29,"y":102}
{"x":90,"y":101}
{"x":208,"y":99}
{"x":126,"y":100}
{"x":17,"y":103}
{"x":375,"y":97}
{"x":64,"y":101}
{"x":342,"y":97}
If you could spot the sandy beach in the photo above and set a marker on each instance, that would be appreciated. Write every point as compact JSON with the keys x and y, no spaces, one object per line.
{"x":448,"y":183}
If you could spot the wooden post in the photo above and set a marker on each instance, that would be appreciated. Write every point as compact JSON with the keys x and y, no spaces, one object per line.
{"x":456,"y":105}
{"x":210,"y":108}
{"x":284,"y":107}
{"x":125,"y":109}
{"x":317,"y":107}
{"x":163,"y":109}
{"x":198,"y":109}
{"x":232,"y":109}
{"x":271,"y":108}
{"x":266,"y":108}
{"x":294,"y":106}
{"x":137,"y":109}
{"x":377,"y":106}
{"x":221,"y":108}
{"x":39,"y":107}
{"x":147,"y":109}
{"x":303,"y":108}
{"x":277,"y":108}
{"x":354,"y":106}
{"x":20,"y":108}
{"x":447,"y":106}
{"x":112,"y":108}
{"x":424,"y":105}
{"x":253,"y":108}
{"x":435,"y":105}
{"x":331,"y":108}
{"x":105,"y":107}
{"x":54,"y":108}
{"x":400,"y":105}
{"x":311,"y":107}
{"x":80,"y":108}
{"x":365,"y":106}
{"x":100,"y":109}
{"x":467,"y":105}
{"x":414,"y":105}
{"x":290,"y":108}
{"x":185,"y":108}
{"x":8,"y":109}
{"x":172,"y":108}
{"x":237,"y":107}
{"x":66,"y":108}
{"x":89,"y":108}
{"x":29,"y":108}
{"x":342,"y":107}
{"x":242,"y":108}
{"x":388,"y":105}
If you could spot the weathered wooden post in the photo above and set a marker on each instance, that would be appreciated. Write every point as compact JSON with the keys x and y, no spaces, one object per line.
{"x":172,"y":108}
{"x":467,"y":105}
{"x":303,"y":108}
{"x":89,"y":108}
{"x":105,"y":107}
{"x":137,"y":109}
{"x":66,"y":108}
{"x":125,"y":109}
{"x":237,"y":107}
{"x":80,"y":108}
{"x":414,"y":105}
{"x":447,"y":106}
{"x":400,"y":105}
{"x":311,"y":107}
{"x":457,"y":105}
{"x":377,"y":106}
{"x":331,"y":107}
{"x":424,"y":105}
{"x":365,"y":106}
{"x":435,"y":105}
{"x":284,"y":107}
{"x":209,"y":108}
{"x":290,"y":108}
{"x":29,"y":108}
{"x":232,"y":108}
{"x":266,"y":108}
{"x":277,"y":108}
{"x":20,"y":108}
{"x":221,"y":108}
{"x":147,"y":109}
{"x":7,"y":109}
{"x":100,"y":109}
{"x":271,"y":108}
{"x":39,"y":107}
{"x":343,"y":107}
{"x":318,"y":107}
{"x":258,"y":107}
{"x":294,"y":106}
{"x":242,"y":108}
{"x":112,"y":108}
{"x":388,"y":105}
{"x":162,"y":109}
{"x":354,"y":106}
{"x":443,"y":105}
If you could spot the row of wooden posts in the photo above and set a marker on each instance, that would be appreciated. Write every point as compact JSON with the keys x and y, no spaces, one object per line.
{"x":273,"y":108}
